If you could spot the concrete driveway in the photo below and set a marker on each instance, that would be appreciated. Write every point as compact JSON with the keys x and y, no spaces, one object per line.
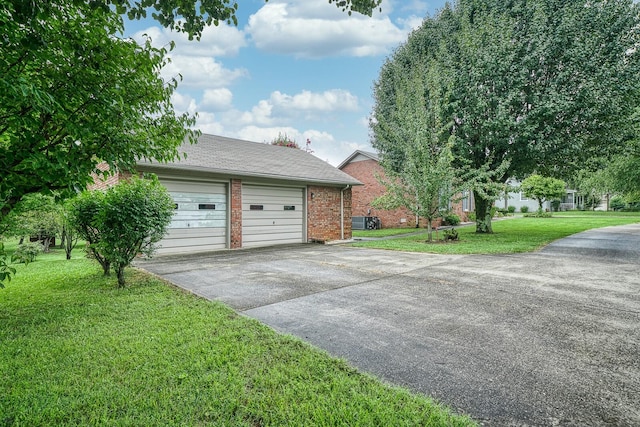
{"x":543,"y":339}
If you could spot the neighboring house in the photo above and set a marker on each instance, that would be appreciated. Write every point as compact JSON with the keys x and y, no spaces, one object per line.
{"x":365,"y":167}
{"x":570,"y":201}
{"x":231,"y":194}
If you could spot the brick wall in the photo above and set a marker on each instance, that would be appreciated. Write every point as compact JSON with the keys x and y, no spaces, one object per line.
{"x":236,"y":213}
{"x":99,"y":183}
{"x":366,"y":171}
{"x":323,"y":213}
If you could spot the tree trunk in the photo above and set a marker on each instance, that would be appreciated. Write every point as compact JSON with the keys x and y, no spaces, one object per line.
{"x":483,"y":214}
{"x":120,"y":273}
{"x":429,"y":231}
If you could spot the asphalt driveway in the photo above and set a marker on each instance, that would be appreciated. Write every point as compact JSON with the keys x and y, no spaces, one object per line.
{"x":543,"y":339}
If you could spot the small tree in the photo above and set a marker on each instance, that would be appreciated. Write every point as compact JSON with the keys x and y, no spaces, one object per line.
{"x":133,"y":219}
{"x":37,"y":215}
{"x":543,"y":188}
{"x":83,"y":214}
{"x":419,"y":173}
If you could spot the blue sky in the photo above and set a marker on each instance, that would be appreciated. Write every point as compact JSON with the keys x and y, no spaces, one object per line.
{"x":300,"y":67}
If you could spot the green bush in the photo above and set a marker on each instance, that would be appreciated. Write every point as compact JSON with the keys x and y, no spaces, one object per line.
{"x":450,"y":234}
{"x":538,"y":214}
{"x":127,"y":220}
{"x":511,"y":209}
{"x":524,"y":209}
{"x":27,"y":252}
{"x":617,"y":203}
{"x":451,"y":219}
{"x":555,"y":205}
{"x":471,"y":216}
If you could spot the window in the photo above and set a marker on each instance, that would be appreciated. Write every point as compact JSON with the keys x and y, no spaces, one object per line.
{"x":256,"y":207}
{"x":207,"y":206}
{"x":523,"y":198}
{"x":465,"y":201}
{"x":289,"y":208}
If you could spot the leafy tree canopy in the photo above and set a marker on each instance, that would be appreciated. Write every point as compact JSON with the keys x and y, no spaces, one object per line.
{"x":529,"y":86}
{"x":543,"y":188}
{"x":73,"y":94}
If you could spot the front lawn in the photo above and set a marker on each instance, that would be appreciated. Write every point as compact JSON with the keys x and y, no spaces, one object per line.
{"x":383,"y":232}
{"x":75,"y":350}
{"x":510,"y":235}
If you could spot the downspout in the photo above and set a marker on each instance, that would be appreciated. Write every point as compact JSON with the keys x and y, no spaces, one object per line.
{"x":342,"y":211}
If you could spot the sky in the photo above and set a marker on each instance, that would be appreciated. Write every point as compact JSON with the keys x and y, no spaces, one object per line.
{"x":302,"y":68}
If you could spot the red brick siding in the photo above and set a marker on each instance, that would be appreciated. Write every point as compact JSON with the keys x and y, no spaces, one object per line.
{"x":236,"y":213}
{"x":366,"y":171}
{"x":102,"y":184}
{"x":323,"y":213}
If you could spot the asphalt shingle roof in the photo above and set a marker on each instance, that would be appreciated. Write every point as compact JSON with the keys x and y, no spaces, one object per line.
{"x":238,"y":158}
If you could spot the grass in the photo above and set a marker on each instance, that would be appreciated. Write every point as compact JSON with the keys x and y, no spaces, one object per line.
{"x":510,"y":235}
{"x":384,"y":232}
{"x":75,"y":350}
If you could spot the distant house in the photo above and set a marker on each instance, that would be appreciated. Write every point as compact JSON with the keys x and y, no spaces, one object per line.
{"x":517,"y":199}
{"x":231,"y":193}
{"x":364,"y":166}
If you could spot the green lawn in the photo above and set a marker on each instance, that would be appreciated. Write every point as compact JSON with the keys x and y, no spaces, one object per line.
{"x":384,"y":232}
{"x":75,"y":350}
{"x":510,"y":235}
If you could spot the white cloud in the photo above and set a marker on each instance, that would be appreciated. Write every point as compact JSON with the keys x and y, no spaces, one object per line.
{"x":217,"y":99}
{"x":183,"y":103}
{"x":221,"y":40}
{"x":330,"y":100}
{"x":201,"y":71}
{"x":311,"y":30}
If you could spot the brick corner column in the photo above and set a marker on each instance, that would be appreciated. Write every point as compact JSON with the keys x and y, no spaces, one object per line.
{"x":236,"y":213}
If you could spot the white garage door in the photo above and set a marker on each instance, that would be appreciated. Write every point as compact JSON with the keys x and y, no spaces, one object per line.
{"x":200,"y":220}
{"x":272,"y":215}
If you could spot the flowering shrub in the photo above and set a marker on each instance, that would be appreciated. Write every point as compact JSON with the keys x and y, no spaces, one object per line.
{"x":284,"y":140}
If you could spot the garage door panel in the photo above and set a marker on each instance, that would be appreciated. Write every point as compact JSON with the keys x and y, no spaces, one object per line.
{"x":200,"y":219}
{"x":274,"y":229}
{"x":269,"y":239}
{"x":272,"y":215}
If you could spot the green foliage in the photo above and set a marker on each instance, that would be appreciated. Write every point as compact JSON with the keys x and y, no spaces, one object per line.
{"x":283,"y":140}
{"x":543,"y":188}
{"x":524,"y":209}
{"x":134,"y":218}
{"x":511,"y":209}
{"x":100,"y":98}
{"x":27,"y":252}
{"x":450,"y":234}
{"x":36,"y":215}
{"x":538,"y":214}
{"x":127,"y":220}
{"x":617,"y":203}
{"x":451,"y":218}
{"x":424,"y":180}
{"x":525,"y":85}
{"x":83,"y":211}
{"x":6,"y":270}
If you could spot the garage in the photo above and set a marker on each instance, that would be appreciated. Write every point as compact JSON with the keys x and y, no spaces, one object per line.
{"x":272,"y":215}
{"x":200,"y":220}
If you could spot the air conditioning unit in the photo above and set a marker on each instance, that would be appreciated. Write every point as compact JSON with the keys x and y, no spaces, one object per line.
{"x":365,"y":223}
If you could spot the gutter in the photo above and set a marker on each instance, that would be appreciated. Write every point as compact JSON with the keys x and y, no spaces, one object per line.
{"x":342,"y":211}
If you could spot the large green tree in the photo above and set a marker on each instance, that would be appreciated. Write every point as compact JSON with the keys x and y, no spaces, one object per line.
{"x":74,"y":92}
{"x":534,"y":85}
